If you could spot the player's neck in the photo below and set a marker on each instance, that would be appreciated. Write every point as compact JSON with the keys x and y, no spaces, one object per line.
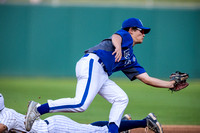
{"x":134,"y":44}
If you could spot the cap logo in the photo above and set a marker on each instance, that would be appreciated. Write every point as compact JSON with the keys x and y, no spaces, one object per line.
{"x":141,"y":22}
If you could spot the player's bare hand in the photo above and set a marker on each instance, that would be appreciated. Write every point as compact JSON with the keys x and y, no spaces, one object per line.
{"x":118,"y":54}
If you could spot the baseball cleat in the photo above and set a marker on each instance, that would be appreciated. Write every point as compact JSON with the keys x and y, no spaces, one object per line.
{"x":126,"y":117}
{"x":153,"y":124}
{"x":32,"y":115}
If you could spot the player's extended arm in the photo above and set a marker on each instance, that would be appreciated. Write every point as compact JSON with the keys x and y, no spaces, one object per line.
{"x":117,"y":40}
{"x":145,"y":78}
{"x":2,"y":128}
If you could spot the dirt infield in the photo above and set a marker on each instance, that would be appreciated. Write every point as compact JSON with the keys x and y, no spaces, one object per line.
{"x":173,"y":129}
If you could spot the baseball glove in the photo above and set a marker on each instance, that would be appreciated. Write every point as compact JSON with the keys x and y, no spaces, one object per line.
{"x":180,"y":80}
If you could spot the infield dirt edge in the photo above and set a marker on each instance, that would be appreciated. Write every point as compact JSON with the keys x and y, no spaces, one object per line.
{"x":173,"y":129}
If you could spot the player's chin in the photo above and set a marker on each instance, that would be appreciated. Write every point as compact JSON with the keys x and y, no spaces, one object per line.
{"x":140,"y":41}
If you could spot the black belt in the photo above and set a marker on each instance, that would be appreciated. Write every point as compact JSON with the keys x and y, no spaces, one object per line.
{"x":102,"y":64}
{"x":47,"y":122}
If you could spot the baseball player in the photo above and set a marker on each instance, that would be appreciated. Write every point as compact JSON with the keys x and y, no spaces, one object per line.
{"x":93,"y":71}
{"x":12,"y":121}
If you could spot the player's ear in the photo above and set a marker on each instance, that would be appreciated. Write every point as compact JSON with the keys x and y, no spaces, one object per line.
{"x":131,"y":30}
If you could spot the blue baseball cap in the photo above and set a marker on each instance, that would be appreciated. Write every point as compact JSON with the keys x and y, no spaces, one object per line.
{"x":135,"y":22}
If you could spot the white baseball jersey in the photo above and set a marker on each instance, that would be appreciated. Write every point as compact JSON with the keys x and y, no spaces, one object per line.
{"x":54,"y":124}
{"x":1,"y":102}
{"x":12,"y":120}
{"x":15,"y":121}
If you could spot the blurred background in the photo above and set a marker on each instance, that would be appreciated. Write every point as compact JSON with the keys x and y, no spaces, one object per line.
{"x":47,"y":37}
{"x":41,"y":41}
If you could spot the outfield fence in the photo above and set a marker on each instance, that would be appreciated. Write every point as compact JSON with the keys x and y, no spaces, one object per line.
{"x":46,"y":40}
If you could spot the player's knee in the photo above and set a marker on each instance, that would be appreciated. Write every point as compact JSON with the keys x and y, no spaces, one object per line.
{"x":124,"y":100}
{"x":82,"y":109}
{"x":82,"y":106}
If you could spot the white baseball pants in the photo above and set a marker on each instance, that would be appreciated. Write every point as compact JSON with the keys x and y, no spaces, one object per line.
{"x":92,"y":80}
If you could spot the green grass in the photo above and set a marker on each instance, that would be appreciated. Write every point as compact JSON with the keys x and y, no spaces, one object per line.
{"x":171,"y":108}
